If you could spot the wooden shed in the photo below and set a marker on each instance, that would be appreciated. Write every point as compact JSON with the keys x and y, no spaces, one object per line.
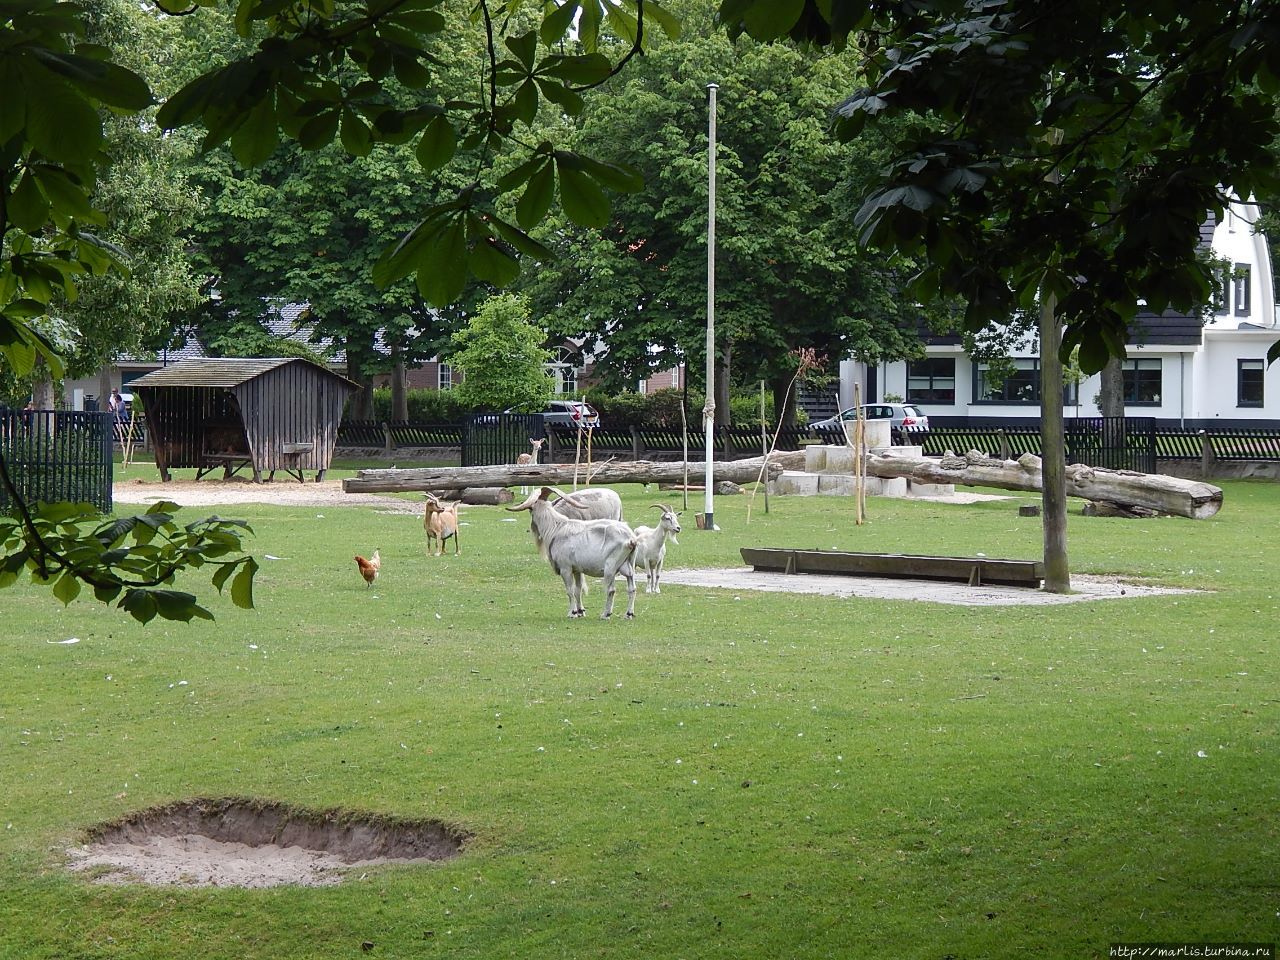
{"x":279,"y":413}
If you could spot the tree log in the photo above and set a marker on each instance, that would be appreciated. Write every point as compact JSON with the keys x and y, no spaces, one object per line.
{"x":562,"y":475}
{"x":477,"y":496}
{"x":1183,"y":498}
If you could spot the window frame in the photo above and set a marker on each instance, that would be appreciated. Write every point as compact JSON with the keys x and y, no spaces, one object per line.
{"x":1261,"y":370}
{"x":444,"y":376}
{"x":1241,"y":289}
{"x":932,"y":377}
{"x":1131,"y":397}
{"x":1070,"y":391}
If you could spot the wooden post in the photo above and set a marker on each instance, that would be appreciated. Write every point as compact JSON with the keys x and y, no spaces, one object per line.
{"x":1206,"y":454}
{"x":553,"y":448}
{"x":636,"y":452}
{"x":859,"y":458}
{"x":764,"y":439}
{"x":388,"y":444}
{"x":1004,"y":444}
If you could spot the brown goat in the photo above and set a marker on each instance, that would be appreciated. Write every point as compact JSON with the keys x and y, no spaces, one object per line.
{"x":441,"y":522}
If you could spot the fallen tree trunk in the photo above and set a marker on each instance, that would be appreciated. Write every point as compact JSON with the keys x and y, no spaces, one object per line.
{"x":562,"y":475}
{"x":1183,"y":498}
{"x":477,"y":496}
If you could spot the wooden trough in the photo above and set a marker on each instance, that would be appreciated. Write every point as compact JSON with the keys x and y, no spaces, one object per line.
{"x":975,"y":571}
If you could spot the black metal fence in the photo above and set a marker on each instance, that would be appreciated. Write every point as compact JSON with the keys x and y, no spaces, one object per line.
{"x":398,"y":433}
{"x":57,"y":455}
{"x":641,"y":443}
{"x":491,"y":438}
{"x":1117,"y":443}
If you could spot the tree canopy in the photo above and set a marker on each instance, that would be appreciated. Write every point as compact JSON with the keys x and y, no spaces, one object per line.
{"x":1073,"y":149}
{"x":789,"y":272}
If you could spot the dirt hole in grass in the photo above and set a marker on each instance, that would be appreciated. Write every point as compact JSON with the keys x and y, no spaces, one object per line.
{"x":255,"y":843}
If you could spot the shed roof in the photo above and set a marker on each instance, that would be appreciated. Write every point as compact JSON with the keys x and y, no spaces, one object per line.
{"x":221,"y":372}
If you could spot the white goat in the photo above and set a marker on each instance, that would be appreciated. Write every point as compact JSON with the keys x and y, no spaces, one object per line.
{"x":525,"y":459}
{"x":578,"y":548}
{"x":595,"y":503}
{"x":440,"y":523}
{"x":651,"y":551}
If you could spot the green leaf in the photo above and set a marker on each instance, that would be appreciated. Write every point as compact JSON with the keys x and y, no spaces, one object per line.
{"x":590,"y":69}
{"x":525,"y":102}
{"x":521,"y":240}
{"x":176,"y":605}
{"x":582,"y":199}
{"x":622,"y":177}
{"x":104,"y":81}
{"x":410,"y":72}
{"x":536,"y":199}
{"x":66,"y":196}
{"x":257,"y":138}
{"x":525,"y":48}
{"x":442,"y":268}
{"x":489,"y":262}
{"x":139,"y":604}
{"x":438,"y":144}
{"x":356,"y":137}
{"x":772,"y":19}
{"x":319,"y":130}
{"x":28,"y":208}
{"x":67,"y":588}
{"x":66,"y":128}
{"x":242,"y":585}
{"x":556,"y":23}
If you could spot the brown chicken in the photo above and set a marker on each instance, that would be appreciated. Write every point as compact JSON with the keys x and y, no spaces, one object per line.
{"x":369,"y":568}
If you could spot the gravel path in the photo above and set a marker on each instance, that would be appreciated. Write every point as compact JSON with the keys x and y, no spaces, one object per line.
{"x":205,"y":493}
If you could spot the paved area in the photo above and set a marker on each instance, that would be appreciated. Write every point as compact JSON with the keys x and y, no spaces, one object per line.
{"x":933,"y":591}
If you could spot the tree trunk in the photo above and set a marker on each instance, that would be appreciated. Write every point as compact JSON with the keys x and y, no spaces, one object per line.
{"x":42,"y":389}
{"x":724,"y":356}
{"x":784,"y":401}
{"x":561,"y":475}
{"x":399,"y":393}
{"x":1057,"y":572}
{"x":1111,"y":393}
{"x":1183,"y":498}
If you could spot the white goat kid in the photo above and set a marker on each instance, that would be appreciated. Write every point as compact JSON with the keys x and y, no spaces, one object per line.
{"x":577,"y":549}
{"x":440,"y":523}
{"x":651,"y":551}
{"x":595,"y":503}
{"x":525,"y":459}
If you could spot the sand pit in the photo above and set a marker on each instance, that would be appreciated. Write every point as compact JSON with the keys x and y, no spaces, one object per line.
{"x":216,"y":492}
{"x":245,"y":843}
{"x":933,"y":591}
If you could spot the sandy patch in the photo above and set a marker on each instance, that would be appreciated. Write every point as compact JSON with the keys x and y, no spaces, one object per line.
{"x":232,"y":842}
{"x":933,"y":591}
{"x":208,"y":493}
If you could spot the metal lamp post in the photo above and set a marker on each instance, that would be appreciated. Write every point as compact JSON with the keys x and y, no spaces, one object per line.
{"x":709,"y":407}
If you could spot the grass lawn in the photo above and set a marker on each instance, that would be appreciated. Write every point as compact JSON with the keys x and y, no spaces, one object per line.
{"x":731,"y":775}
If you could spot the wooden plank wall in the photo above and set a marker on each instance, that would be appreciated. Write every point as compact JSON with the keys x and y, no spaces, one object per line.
{"x":294,"y":403}
{"x":177,"y":416}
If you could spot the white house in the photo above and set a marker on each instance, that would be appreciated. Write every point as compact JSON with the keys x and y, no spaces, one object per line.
{"x":1177,"y":370}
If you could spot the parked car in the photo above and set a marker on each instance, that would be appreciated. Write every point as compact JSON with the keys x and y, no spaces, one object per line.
{"x":562,"y":414}
{"x":570,"y":415}
{"x":908,"y":425}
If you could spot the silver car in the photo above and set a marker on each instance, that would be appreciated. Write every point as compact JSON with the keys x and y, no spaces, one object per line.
{"x":908,"y":425}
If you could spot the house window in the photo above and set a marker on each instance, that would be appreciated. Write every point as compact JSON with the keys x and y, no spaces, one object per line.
{"x":1021,"y":387}
{"x":1249,"y":377}
{"x":1143,"y":381}
{"x":446,"y":377}
{"x":1241,"y":289}
{"x":1222,"y":291}
{"x":932,"y":380}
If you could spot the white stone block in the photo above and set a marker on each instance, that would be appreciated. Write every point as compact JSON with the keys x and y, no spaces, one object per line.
{"x":917,"y":489}
{"x":795,"y":483}
{"x":839,"y":460}
{"x":815,"y":458}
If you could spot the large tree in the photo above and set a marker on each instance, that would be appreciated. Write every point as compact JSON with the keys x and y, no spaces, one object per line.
{"x":1061,"y":158}
{"x":789,"y":272}
{"x":318,"y":72}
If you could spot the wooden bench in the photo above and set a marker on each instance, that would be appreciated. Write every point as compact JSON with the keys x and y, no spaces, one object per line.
{"x":231,"y":464}
{"x":972,"y":570}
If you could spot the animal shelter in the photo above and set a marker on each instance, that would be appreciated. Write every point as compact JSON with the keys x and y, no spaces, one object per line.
{"x":279,"y":413}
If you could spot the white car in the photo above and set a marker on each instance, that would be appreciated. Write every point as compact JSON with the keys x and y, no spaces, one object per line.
{"x":907,"y":424}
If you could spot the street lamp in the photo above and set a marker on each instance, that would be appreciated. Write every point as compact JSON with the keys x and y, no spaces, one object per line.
{"x":709,"y":407}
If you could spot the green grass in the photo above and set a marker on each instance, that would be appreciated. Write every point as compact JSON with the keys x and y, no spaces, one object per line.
{"x":731,"y":775}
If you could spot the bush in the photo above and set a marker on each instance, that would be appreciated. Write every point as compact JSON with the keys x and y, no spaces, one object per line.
{"x":425,"y":406}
